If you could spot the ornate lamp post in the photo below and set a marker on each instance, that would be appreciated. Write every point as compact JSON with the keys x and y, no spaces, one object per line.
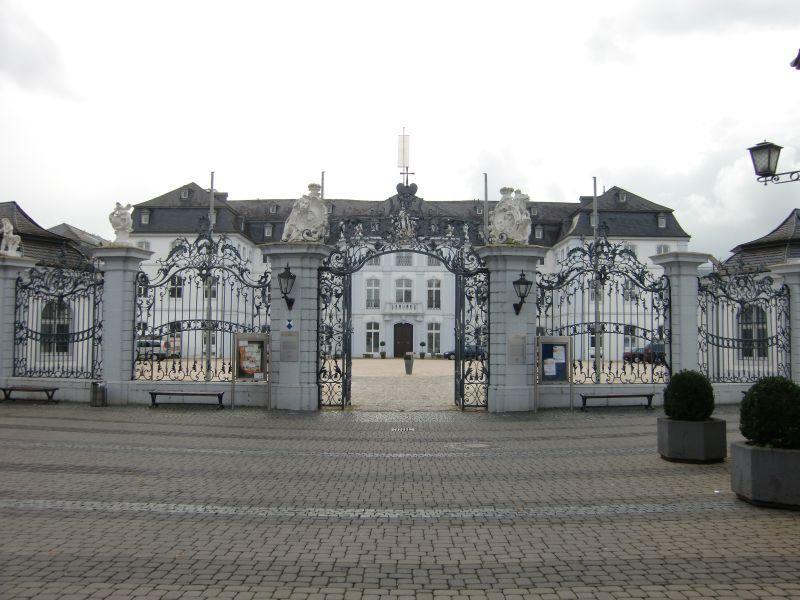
{"x":765,"y":164}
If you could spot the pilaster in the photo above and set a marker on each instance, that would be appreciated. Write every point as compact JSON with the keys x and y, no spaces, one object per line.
{"x":681,"y":268}
{"x":120,"y":265}
{"x":511,"y":375}
{"x":10,"y":268}
{"x":293,"y":378}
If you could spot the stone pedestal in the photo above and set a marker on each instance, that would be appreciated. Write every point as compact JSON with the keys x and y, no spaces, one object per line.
{"x":681,"y":268}
{"x":293,"y":366}
{"x":10,"y":268}
{"x":121,"y":264}
{"x":512,"y":344}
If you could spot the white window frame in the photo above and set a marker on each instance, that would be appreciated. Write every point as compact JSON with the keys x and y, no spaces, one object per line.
{"x":401,"y":258}
{"x":403,"y":290}
{"x":434,"y":294}
{"x":434,"y":338}
{"x":372,"y":300}
{"x":373,"y":337}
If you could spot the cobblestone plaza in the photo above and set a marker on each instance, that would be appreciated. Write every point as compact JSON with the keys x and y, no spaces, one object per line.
{"x":180,"y":502}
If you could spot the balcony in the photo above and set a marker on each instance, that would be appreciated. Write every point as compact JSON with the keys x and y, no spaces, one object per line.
{"x":403,"y":308}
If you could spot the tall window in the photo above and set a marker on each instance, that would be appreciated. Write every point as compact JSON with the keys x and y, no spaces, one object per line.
{"x":373,"y":293}
{"x":434,"y":338}
{"x":404,"y":259}
{"x":538,"y":232}
{"x":373,"y":337}
{"x":402,"y":290}
{"x":175,"y":288}
{"x":753,"y":332}
{"x":210,"y":287}
{"x":268,"y":230}
{"x":434,"y":293}
{"x":629,"y":341}
{"x":55,"y":328}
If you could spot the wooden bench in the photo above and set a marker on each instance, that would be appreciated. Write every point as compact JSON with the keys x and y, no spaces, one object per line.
{"x":155,"y":394}
{"x":649,"y":397}
{"x":29,"y":388}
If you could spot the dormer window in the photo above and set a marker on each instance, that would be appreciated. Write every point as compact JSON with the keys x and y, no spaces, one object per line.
{"x":533,"y":211}
{"x":592,"y":220}
{"x":479,"y":210}
{"x":268,"y":230}
{"x":144,"y":217}
{"x":184,"y":193}
{"x":623,"y":197}
{"x":538,"y":232}
{"x":662,"y":221}
{"x":273,"y":209}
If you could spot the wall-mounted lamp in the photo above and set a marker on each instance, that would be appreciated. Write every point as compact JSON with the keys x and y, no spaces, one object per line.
{"x":286,"y":283}
{"x":522,"y":287}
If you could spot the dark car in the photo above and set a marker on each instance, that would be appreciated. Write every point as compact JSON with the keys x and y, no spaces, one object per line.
{"x":652,"y":353}
{"x":470,"y":353}
{"x":150,"y":349}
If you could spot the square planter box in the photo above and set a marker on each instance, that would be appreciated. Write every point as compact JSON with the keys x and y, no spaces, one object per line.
{"x":692,"y":441}
{"x":766,"y":476}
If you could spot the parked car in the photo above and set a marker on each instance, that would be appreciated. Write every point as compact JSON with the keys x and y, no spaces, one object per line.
{"x":652,"y":353}
{"x":149,"y":349}
{"x":471,"y":352}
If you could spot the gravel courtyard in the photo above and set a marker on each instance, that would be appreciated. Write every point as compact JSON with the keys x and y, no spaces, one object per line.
{"x":186,"y":502}
{"x":382,"y":384}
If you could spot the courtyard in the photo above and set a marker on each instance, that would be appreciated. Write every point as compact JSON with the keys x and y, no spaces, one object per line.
{"x":190,"y":502}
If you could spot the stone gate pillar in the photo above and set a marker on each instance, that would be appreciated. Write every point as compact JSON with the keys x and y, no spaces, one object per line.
{"x":512,"y":343}
{"x":121,"y":264}
{"x":681,"y":268}
{"x":10,"y":268}
{"x":293,"y":365}
{"x":790,"y":272}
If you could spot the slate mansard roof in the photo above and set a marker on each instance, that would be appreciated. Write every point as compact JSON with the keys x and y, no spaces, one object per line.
{"x":36,"y":242}
{"x":624,"y":214}
{"x":779,"y":245}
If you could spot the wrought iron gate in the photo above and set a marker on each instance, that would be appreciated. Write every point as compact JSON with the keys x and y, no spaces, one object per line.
{"x":743,"y":328}
{"x":58,"y":323}
{"x":405,"y":227}
{"x":186,"y":317}
{"x":616,"y":311}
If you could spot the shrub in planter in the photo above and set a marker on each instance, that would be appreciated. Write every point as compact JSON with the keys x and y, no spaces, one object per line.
{"x":766,"y":469}
{"x":688,"y":434}
{"x":383,"y":352}
{"x":422,"y":349}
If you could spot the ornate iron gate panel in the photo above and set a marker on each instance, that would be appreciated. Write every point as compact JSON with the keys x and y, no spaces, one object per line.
{"x":743,"y":327}
{"x":334,"y":327}
{"x":407,"y":226}
{"x":186,"y":317}
{"x":616,"y":311}
{"x":472,"y":340}
{"x":58,"y":323}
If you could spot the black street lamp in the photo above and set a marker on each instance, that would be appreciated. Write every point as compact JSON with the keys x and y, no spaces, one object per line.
{"x":286,"y":283}
{"x":765,"y":164}
{"x":522,"y":287}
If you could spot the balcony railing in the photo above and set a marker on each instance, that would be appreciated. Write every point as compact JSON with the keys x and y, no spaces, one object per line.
{"x":403,"y":308}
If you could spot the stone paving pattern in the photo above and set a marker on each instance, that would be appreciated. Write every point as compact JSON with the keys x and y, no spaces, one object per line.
{"x":190,"y":502}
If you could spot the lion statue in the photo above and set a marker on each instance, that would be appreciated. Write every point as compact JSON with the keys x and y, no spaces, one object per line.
{"x":510,"y":221}
{"x":308,"y":221}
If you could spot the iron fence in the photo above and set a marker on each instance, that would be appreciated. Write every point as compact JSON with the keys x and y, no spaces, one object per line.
{"x":58,"y":323}
{"x":187,"y":315}
{"x":743,"y":327}
{"x":615,"y":310}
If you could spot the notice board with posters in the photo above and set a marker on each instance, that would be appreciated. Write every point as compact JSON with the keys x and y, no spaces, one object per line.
{"x":251,"y":357}
{"x":555,"y":360}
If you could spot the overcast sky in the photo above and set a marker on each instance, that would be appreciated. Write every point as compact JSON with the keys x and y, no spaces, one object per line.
{"x":104,"y":102}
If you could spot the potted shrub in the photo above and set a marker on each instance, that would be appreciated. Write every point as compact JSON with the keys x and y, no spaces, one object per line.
{"x":383,"y":352}
{"x":422,"y":349}
{"x":766,"y":469}
{"x":688,"y":433}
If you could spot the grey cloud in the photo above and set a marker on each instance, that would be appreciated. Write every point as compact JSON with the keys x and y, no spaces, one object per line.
{"x":28,"y":57}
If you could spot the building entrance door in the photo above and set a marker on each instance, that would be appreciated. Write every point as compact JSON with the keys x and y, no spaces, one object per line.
{"x":403,"y":339}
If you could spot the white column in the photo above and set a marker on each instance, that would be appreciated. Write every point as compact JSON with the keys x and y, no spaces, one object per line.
{"x":681,"y":268}
{"x":512,"y":343}
{"x":121,"y":264}
{"x":10,"y":268}
{"x":293,"y":376}
{"x":790,"y":272}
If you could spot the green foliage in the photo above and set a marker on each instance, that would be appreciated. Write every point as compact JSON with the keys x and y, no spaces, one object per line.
{"x":770,"y":413}
{"x":689,"y":396}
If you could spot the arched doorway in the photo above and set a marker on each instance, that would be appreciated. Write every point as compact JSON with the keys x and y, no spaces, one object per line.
{"x":405,"y":225}
{"x":403,"y":339}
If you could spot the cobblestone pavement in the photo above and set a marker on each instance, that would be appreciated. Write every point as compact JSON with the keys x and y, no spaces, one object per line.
{"x":382,"y":384}
{"x":192,"y":503}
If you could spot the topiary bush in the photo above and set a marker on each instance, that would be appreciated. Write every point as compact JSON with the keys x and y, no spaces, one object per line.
{"x":689,"y":396}
{"x":770,"y":413}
